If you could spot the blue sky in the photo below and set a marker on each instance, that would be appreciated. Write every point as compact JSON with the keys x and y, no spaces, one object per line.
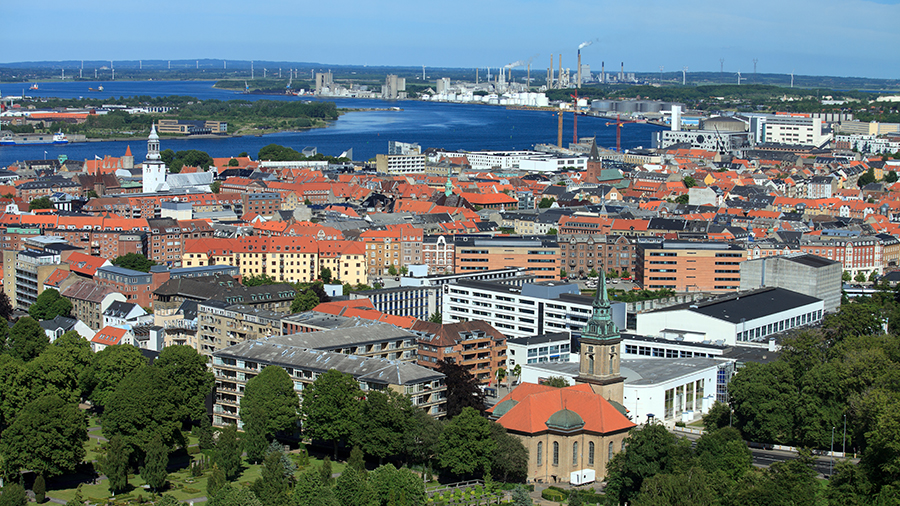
{"x":821,"y":37}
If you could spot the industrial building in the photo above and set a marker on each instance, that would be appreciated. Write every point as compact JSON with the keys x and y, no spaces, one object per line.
{"x":800,"y":272}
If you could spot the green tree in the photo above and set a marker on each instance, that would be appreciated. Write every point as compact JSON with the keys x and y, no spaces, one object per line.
{"x":325,"y":275}
{"x":215,"y":186}
{"x":205,"y":434}
{"x":325,"y":471}
{"x":78,"y":350}
{"x":684,"y":199}
{"x":233,"y":163}
{"x":40,"y":203}
{"x":521,"y":497}
{"x":54,"y":373}
{"x":357,"y":459}
{"x":153,"y":472}
{"x":854,"y":319}
{"x":134,"y":261}
{"x":114,"y":463}
{"x":353,"y":489}
{"x":110,"y":366}
{"x":509,"y":462}
{"x":846,"y":277}
{"x":423,"y":438}
{"x":385,"y":417}
{"x":77,"y":499}
{"x":867,"y":178}
{"x":215,"y":482}
{"x":47,"y":437}
{"x":13,"y":495}
{"x":260,"y":280}
{"x":230,"y":495}
{"x":397,"y":486}
{"x":304,"y":301}
{"x":546,"y":202}
{"x":190,"y":380}
{"x":228,"y":453}
{"x":764,"y":397}
{"x":563,"y":274}
{"x":593,"y":273}
{"x":690,"y":487}
{"x":724,"y":451}
{"x":269,"y":406}
{"x":309,"y":485}
{"x":15,"y":388}
{"x":27,"y":339}
{"x":689,"y":181}
{"x":6,"y":309}
{"x":552,"y":231}
{"x":718,"y":416}
{"x":890,"y":177}
{"x":463,"y":390}
{"x":272,"y":487}
{"x":331,"y":406}
{"x":436,"y":317}
{"x":556,"y":381}
{"x":140,"y":410}
{"x":650,"y":450}
{"x":49,"y":305}
{"x":466,"y":445}
{"x":40,"y":489}
{"x":860,"y":277}
{"x":392,"y":270}
{"x":167,"y":500}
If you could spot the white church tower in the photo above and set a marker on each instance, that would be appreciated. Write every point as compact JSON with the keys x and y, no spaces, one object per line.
{"x":153,"y":169}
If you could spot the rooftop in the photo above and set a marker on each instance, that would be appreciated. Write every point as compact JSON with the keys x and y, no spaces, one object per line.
{"x":747,"y":305}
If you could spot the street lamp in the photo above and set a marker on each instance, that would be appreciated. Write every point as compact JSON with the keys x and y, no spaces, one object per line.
{"x":832,"y":453}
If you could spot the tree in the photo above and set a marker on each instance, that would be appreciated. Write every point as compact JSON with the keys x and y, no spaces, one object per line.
{"x":27,"y":339}
{"x":510,"y":461}
{"x":563,"y":274}
{"x":53,"y":373}
{"x":77,"y":499}
{"x":392,"y":270}
{"x":466,"y":445}
{"x":325,"y":275}
{"x":134,"y":261}
{"x":78,"y":350}
{"x":867,"y":178}
{"x":546,"y":202}
{"x":718,"y":416}
{"x":854,"y":319}
{"x":228,"y":453}
{"x":436,"y":317}
{"x":215,"y":186}
{"x":552,"y":231}
{"x":190,"y":380}
{"x":167,"y":500}
{"x":304,"y":301}
{"x":684,"y":199}
{"x":690,"y":487}
{"x":272,"y":486}
{"x":234,"y":163}
{"x":309,"y":489}
{"x":205,"y":434}
{"x":353,"y":489}
{"x":140,"y":410}
{"x":846,"y":277}
{"x":517,"y":372}
{"x":47,"y":437}
{"x":6,"y":309}
{"x":40,"y":489}
{"x":860,"y":277}
{"x":890,"y":177}
{"x":500,"y":374}
{"x":331,"y":406}
{"x":215,"y":482}
{"x":114,"y":463}
{"x":521,"y":497}
{"x":49,"y":305}
{"x":463,"y":389}
{"x":723,"y":451}
{"x":423,"y":438}
{"x":325,"y":471}
{"x":269,"y":406}
{"x":650,"y":450}
{"x":233,"y":496}
{"x":763,"y":397}
{"x":154,"y":469}
{"x":593,"y":273}
{"x":556,"y":381}
{"x":385,"y":417}
{"x":397,"y":486}
{"x":13,"y":495}
{"x":110,"y":366}
{"x":873,"y":277}
{"x":357,"y":459}
{"x":689,"y":181}
{"x":40,"y":203}
{"x":260,"y":280}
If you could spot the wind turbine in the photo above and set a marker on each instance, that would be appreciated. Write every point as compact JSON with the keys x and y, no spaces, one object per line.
{"x":684,"y":75}
{"x":739,"y":77}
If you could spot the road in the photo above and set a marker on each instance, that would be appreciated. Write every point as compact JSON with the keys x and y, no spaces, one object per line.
{"x":765,"y":458}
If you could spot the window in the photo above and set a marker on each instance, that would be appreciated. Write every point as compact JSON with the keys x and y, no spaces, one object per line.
{"x":575,"y":453}
{"x":555,"y":453}
{"x":540,"y":453}
{"x":608,"y":458}
{"x":590,"y":453}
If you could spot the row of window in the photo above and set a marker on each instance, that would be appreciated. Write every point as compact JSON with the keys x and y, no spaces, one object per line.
{"x":555,"y":459}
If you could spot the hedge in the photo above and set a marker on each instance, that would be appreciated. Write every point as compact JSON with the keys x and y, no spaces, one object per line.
{"x":553,"y":495}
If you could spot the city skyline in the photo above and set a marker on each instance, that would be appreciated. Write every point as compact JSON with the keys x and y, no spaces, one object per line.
{"x":821,"y":38}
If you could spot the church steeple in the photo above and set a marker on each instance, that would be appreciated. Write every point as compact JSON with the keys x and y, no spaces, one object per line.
{"x":600,"y":344}
{"x":448,"y":186}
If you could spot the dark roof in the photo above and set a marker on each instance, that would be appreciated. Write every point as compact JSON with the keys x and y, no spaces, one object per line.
{"x":119,"y":309}
{"x":810,"y":260}
{"x":543,"y":338}
{"x":748,"y":305}
{"x":224,"y":288}
{"x":60,"y":322}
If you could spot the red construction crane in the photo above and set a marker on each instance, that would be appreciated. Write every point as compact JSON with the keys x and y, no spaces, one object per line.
{"x":619,"y":123}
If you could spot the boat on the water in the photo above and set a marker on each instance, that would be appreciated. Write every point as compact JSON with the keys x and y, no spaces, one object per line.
{"x":33,"y":86}
{"x":99,"y":88}
{"x":16,"y":140}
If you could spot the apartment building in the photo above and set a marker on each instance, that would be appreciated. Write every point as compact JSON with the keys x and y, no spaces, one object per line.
{"x":689,"y":266}
{"x":538,"y":255}
{"x":345,"y":259}
{"x":581,"y":253}
{"x":90,"y":300}
{"x":235,"y":365}
{"x":476,"y":346}
{"x":400,"y":164}
{"x":220,"y":325}
{"x":263,"y":204}
{"x":532,"y":309}
{"x":287,"y":259}
{"x":438,"y":254}
{"x":417,"y":301}
{"x":856,"y":254}
{"x":363,"y":338}
{"x":395,"y":246}
{"x":171,"y":294}
{"x":136,"y":286}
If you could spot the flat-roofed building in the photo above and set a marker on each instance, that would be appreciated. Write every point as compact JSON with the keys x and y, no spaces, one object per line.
{"x":538,"y":255}
{"x":476,"y":346}
{"x":221,"y":325}
{"x":800,"y":272}
{"x":545,"y":348}
{"x":689,"y":266}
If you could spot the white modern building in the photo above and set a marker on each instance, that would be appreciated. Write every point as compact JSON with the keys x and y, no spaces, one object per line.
{"x":543,"y":349}
{"x":552,"y":163}
{"x":788,"y":129}
{"x":530,"y":310}
{"x":743,"y":318}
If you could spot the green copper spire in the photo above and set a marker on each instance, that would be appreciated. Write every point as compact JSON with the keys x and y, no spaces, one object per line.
{"x":448,"y":186}
{"x":601,"y":326}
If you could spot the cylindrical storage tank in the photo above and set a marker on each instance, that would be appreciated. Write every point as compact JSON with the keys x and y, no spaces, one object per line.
{"x":601,"y":105}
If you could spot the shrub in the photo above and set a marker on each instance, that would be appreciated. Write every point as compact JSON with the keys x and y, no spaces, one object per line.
{"x":679,"y":424}
{"x":564,"y":492}
{"x":551,"y":494}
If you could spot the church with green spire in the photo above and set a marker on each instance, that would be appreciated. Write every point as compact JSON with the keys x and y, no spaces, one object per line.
{"x":601,"y":349}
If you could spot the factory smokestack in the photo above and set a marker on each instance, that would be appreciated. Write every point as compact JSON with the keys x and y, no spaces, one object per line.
{"x":579,"y":70}
{"x":550,"y":74}
{"x":622,"y":73}
{"x":603,"y":72}
{"x":559,"y":75}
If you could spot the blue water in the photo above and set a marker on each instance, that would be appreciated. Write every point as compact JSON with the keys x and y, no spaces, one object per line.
{"x":438,"y":125}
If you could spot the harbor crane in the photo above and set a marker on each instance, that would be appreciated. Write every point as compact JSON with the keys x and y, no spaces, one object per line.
{"x":619,"y":124}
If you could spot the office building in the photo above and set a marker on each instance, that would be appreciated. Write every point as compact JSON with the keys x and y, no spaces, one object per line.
{"x":689,"y":266}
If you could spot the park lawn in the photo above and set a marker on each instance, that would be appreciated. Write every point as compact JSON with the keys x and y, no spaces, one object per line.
{"x":92,"y":449}
{"x":697,"y":424}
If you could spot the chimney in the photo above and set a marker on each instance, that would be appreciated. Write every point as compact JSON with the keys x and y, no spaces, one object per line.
{"x":603,"y":72}
{"x":579,"y":68}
